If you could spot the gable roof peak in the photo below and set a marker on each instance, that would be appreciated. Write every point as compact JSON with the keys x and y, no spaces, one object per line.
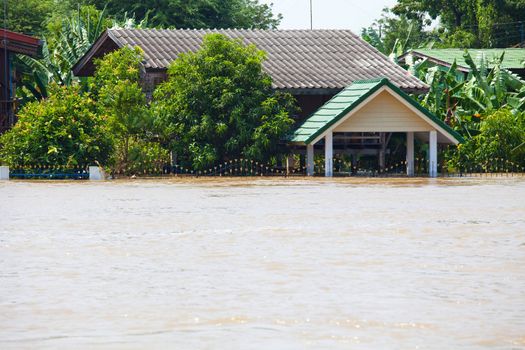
{"x":348,"y":100}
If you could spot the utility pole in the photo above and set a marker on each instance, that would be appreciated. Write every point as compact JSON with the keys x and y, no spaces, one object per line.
{"x":311,"y":16}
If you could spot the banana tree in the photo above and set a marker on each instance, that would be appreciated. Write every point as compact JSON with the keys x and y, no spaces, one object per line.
{"x":489,"y":90}
{"x":76,"y":36}
{"x":460,"y":100}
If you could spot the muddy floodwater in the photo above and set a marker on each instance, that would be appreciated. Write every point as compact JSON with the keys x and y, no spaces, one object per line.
{"x":263,"y":264}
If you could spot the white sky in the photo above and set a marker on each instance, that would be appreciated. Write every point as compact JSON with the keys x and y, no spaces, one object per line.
{"x":329,"y":14}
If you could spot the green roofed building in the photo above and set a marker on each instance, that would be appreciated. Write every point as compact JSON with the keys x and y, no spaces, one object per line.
{"x":360,"y":119}
{"x":513,"y":60}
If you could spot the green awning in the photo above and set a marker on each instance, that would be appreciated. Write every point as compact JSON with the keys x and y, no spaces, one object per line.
{"x":347,"y":100}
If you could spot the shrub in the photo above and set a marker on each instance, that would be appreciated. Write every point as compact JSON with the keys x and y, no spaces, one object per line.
{"x":501,"y":137}
{"x":63,"y":129}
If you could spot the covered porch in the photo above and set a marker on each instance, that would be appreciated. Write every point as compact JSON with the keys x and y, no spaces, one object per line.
{"x":362,"y":118}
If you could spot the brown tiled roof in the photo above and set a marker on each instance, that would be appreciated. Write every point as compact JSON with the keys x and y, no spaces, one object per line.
{"x":297,"y":59}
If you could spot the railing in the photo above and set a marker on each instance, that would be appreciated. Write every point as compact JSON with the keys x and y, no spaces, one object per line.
{"x":498,"y":167}
{"x":45,"y":172}
{"x":235,"y":167}
{"x":249,"y":168}
{"x":341,"y":168}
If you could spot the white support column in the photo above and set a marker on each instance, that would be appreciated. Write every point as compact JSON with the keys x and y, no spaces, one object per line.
{"x":310,"y":160}
{"x":381,"y":157}
{"x":410,"y":153}
{"x":4,"y":172}
{"x":432,"y":148}
{"x":381,"y":154}
{"x":328,"y":155}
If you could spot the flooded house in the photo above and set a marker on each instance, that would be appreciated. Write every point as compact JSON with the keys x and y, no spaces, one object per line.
{"x":352,"y":98}
{"x":12,"y":43}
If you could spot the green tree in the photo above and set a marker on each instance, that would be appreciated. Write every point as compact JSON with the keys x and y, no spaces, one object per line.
{"x":68,"y":40}
{"x":33,"y":16}
{"x":28,"y":16}
{"x":63,"y":129}
{"x":218,"y":105}
{"x":393,"y":35}
{"x":499,"y":145}
{"x":120,"y":98}
{"x":490,"y":23}
{"x":461,"y":101}
{"x":195,"y":13}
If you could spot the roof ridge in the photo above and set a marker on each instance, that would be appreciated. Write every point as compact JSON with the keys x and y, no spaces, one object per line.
{"x":237,"y":29}
{"x":371,"y":80}
{"x":467,"y":48}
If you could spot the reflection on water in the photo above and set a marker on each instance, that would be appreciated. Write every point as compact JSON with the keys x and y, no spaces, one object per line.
{"x":263,"y":264}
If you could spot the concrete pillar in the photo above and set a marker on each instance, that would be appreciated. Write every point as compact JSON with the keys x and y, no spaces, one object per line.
{"x":310,"y":160}
{"x":290,"y":164}
{"x":410,"y":153}
{"x":381,"y":157}
{"x":385,"y":138}
{"x":328,"y":155}
{"x":96,"y":173}
{"x":432,"y":154}
{"x":4,"y":172}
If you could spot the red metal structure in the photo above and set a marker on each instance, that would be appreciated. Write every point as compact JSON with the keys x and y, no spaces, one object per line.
{"x":12,"y":43}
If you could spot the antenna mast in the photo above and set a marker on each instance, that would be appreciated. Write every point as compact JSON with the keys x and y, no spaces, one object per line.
{"x":311,"y":16}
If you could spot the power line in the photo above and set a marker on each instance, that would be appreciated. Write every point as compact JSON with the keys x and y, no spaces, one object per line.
{"x":493,"y":24}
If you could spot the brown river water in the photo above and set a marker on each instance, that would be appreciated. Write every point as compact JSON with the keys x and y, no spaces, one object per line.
{"x":263,"y":264}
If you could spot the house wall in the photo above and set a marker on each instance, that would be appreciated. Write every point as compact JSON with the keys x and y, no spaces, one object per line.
{"x":384,"y":113}
{"x":5,"y":91}
{"x":308,"y":104}
{"x":150,"y":80}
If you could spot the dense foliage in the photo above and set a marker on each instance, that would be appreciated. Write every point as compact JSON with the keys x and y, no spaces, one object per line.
{"x":121,"y":99}
{"x":460,"y":100}
{"x":195,"y":13}
{"x":64,"y":129}
{"x":499,"y":146}
{"x":470,"y":23}
{"x":68,"y":40}
{"x":448,"y":23}
{"x":393,"y":35}
{"x":38,"y":17}
{"x":28,"y":16}
{"x":479,"y":106}
{"x":218,"y":104}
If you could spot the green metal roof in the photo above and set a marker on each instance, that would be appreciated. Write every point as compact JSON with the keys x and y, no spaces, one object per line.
{"x":513,"y":57}
{"x":348,"y":99}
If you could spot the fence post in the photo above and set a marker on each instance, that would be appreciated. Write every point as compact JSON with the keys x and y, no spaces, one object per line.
{"x":96,"y":173}
{"x":4,"y":172}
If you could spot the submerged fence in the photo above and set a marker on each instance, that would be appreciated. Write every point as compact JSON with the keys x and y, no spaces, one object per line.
{"x":341,"y":168}
{"x":250,"y":168}
{"x":49,"y":172}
